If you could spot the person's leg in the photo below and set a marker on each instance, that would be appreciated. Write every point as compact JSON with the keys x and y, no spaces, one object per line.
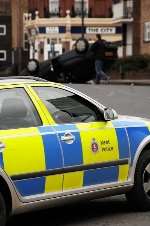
{"x":98,"y":70}
{"x":103,"y":75}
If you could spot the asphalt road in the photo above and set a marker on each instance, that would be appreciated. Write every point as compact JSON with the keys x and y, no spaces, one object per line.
{"x":115,"y":211}
{"x":125,"y":99}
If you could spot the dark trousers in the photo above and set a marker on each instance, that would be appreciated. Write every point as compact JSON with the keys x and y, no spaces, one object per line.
{"x":100,"y":74}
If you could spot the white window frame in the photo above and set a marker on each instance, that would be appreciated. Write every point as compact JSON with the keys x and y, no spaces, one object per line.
{"x":25,"y":41}
{"x":147,"y":31}
{"x":4,"y":28}
{"x":4,"y":52}
{"x":86,"y":2}
{"x":50,"y":5}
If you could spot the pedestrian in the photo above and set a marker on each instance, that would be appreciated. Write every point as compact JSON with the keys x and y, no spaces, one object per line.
{"x":98,"y":48}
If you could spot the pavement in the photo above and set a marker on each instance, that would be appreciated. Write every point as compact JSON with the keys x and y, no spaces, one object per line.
{"x":125,"y":82}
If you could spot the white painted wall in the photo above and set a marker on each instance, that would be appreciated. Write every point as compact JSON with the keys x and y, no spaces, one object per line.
{"x":36,"y":54}
{"x":118,"y":10}
{"x":129,"y":49}
{"x":120,"y":51}
{"x":31,"y":51}
{"x":46,"y":49}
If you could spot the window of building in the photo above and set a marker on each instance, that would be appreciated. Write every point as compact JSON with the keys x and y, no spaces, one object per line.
{"x":147,"y":32}
{"x":116,"y":1}
{"x":2,"y":29}
{"x":3,"y":55}
{"x":54,"y":8}
{"x":26,"y":42}
{"x":78,"y":7}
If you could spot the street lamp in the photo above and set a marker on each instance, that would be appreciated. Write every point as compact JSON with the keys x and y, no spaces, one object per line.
{"x":82,"y":18}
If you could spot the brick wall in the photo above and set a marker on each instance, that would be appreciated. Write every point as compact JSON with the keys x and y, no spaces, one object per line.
{"x":99,"y":8}
{"x":145,"y":17}
{"x":141,"y":15}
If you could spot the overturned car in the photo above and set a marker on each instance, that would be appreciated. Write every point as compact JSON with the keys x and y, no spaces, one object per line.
{"x":76,"y":66}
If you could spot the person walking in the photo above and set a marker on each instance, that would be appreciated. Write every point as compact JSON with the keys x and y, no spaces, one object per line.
{"x":98,"y":48}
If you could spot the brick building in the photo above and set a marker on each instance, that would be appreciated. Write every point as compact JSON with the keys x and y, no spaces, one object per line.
{"x":50,"y":8}
{"x":41,"y":28}
{"x":141,"y":29}
{"x":5,"y":34}
{"x":54,"y":25}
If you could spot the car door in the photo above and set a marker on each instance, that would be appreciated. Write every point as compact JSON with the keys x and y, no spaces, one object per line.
{"x":93,"y":150}
{"x":29,"y":147}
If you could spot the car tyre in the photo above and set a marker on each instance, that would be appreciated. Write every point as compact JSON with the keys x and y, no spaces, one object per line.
{"x":139,"y":196}
{"x":3,"y":211}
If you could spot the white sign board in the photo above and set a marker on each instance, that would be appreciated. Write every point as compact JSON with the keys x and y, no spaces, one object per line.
{"x":100,"y":30}
{"x":50,"y":30}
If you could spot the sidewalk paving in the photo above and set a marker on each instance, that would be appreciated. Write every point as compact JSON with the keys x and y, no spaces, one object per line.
{"x":124,"y":82}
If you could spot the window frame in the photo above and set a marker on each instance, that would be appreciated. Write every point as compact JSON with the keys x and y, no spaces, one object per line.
{"x":5,"y":55}
{"x":91,"y":101}
{"x":52,"y":13}
{"x":86,"y":3}
{"x":4,"y":29}
{"x":147,"y":31}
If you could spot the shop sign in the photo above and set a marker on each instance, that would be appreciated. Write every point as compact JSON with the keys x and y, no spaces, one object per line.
{"x":50,"y":30}
{"x":100,"y":30}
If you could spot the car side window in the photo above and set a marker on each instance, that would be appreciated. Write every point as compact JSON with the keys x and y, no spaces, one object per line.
{"x":17,"y":110}
{"x":67,"y":107}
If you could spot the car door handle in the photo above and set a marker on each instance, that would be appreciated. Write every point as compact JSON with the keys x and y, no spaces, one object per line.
{"x":68,"y":138}
{"x":2,"y":146}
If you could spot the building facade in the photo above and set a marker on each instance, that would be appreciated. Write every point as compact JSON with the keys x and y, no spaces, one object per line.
{"x":44,"y":28}
{"x":141,"y":28}
{"x":5,"y":34}
{"x":55,"y":25}
{"x":57,"y":8}
{"x":123,"y":10}
{"x":19,"y":52}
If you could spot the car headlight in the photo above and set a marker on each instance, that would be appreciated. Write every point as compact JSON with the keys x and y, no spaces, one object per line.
{"x":81,"y":45}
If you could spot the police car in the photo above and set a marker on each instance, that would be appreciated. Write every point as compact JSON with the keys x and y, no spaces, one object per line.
{"x":59,"y":145}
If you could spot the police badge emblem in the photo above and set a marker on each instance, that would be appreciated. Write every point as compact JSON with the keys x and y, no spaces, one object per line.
{"x":94,"y":146}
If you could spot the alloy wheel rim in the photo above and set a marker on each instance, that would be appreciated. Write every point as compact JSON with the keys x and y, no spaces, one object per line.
{"x":146,"y":180}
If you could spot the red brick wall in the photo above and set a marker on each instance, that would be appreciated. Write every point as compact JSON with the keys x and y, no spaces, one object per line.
{"x":145,"y":17}
{"x":38,"y":5}
{"x":141,"y":15}
{"x":100,"y":8}
{"x":64,"y":5}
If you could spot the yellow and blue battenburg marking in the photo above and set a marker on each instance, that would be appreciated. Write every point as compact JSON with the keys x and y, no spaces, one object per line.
{"x":24,"y":154}
{"x":100,"y":131}
{"x":1,"y":160}
{"x":39,"y":161}
{"x":137,"y":131}
{"x":72,"y":156}
{"x":53,"y":158}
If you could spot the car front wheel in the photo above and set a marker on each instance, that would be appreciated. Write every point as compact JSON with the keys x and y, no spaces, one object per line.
{"x":3,"y":213}
{"x":139,"y":196}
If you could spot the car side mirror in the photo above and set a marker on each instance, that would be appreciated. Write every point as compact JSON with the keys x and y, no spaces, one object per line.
{"x":110,"y":114}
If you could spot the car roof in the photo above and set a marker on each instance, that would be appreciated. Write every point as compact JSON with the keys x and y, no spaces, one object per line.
{"x":11,"y":80}
{"x":15,"y":80}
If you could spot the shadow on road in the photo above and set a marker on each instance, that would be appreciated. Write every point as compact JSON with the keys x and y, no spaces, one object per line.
{"x":74,"y":214}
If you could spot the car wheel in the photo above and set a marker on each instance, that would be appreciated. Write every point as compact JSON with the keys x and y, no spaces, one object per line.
{"x":139,"y":196}
{"x":3,"y":212}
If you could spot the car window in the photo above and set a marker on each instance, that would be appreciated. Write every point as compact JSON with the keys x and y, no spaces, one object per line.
{"x":17,"y":110}
{"x":67,"y":107}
